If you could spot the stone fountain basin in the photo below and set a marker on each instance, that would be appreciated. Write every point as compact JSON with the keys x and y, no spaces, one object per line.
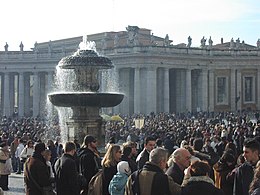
{"x":84,"y":99}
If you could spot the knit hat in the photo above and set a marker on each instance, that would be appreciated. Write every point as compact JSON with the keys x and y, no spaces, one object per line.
{"x":123,"y":167}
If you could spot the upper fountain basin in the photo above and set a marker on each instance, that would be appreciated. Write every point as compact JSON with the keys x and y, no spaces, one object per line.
{"x":83,"y":99}
{"x":84,"y":59}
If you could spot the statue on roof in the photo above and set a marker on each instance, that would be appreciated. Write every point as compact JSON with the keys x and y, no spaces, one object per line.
{"x":232,"y":44}
{"x":50,"y":47}
{"x":21,"y":46}
{"x":6,"y":46}
{"x":210,"y":42}
{"x":258,"y":43}
{"x":238,"y":43}
{"x":203,"y":42}
{"x":189,"y":42}
{"x":166,"y":40}
{"x":152,"y":39}
{"x":36,"y":49}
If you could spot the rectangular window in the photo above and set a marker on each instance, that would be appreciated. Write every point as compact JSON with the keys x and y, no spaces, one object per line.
{"x":249,"y":89}
{"x":222,"y":90}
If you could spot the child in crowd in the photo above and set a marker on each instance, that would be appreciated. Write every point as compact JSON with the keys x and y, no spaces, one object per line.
{"x":118,"y":182}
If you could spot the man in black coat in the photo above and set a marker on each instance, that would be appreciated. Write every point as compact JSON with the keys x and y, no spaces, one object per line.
{"x":36,"y":174}
{"x":89,"y":162}
{"x":245,"y":173}
{"x":67,"y":177}
{"x":181,"y":161}
{"x":143,"y":157}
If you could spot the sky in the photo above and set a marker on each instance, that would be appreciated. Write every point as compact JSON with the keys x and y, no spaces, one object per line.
{"x":37,"y":20}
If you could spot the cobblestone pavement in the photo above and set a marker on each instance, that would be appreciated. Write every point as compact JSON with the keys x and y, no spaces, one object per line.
{"x":15,"y":185}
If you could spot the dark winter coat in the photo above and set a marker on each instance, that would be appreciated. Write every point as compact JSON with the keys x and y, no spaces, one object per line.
{"x":142,"y":158}
{"x":39,"y":172}
{"x":88,"y":163}
{"x":176,"y":173}
{"x":222,"y":181}
{"x":243,"y":177}
{"x":109,"y":173}
{"x":67,"y":177}
{"x":201,"y":185}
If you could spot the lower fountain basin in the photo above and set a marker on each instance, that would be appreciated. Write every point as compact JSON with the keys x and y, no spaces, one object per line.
{"x":83,"y":99}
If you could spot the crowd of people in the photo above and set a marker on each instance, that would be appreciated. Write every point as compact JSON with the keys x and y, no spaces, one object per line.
{"x":192,"y":153}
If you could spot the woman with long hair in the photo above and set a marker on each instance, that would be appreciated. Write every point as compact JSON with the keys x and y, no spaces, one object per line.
{"x":109,"y":165}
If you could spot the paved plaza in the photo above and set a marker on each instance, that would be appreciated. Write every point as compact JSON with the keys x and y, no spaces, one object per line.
{"x":15,"y":185}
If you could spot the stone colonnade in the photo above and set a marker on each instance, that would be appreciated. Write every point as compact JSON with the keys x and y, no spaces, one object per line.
{"x":165,"y":89}
{"x":25,"y":93}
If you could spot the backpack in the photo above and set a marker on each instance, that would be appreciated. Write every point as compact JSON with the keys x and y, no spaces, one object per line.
{"x":95,"y":185}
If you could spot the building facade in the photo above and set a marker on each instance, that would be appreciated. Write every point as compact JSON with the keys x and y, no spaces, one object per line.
{"x":155,"y":75}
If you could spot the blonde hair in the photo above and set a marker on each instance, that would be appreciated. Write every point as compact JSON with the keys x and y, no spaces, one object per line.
{"x":109,"y":158}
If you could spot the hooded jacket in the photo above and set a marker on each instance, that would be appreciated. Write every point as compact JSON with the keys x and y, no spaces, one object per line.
{"x":117,"y":184}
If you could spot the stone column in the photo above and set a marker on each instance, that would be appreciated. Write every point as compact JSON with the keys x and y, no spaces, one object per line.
{"x":21,"y":95}
{"x":211,"y":91}
{"x":166,"y":95}
{"x":137,"y":90}
{"x":151,"y":90}
{"x":36,"y":95}
{"x":27,"y":96}
{"x":233,"y":94}
{"x":204,"y":90}
{"x":239,"y":92}
{"x":258,"y":89}
{"x":6,"y":111}
{"x":11,"y":93}
{"x":188,"y":90}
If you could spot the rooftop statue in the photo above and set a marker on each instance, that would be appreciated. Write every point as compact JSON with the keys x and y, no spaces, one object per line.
{"x":21,"y":46}
{"x":6,"y":46}
{"x":166,"y":40}
{"x":232,"y":44}
{"x":258,"y":43}
{"x":203,"y":42}
{"x":238,"y":43}
{"x":189,"y":42}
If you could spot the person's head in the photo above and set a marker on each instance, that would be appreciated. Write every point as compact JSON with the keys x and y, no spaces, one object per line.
{"x":123,"y":168}
{"x":47,"y":155}
{"x":251,"y":151}
{"x":200,"y":168}
{"x":29,"y":144}
{"x":228,"y":158}
{"x":149,"y":143}
{"x":90,"y":142}
{"x":70,"y":148}
{"x":181,"y":157}
{"x":183,"y":144}
{"x":112,"y":156}
{"x":159,"y":143}
{"x":159,"y":157}
{"x":39,"y":148}
{"x":4,"y":145}
{"x":50,"y":143}
{"x":133,"y":146}
{"x":127,"y":150}
{"x":198,"y":144}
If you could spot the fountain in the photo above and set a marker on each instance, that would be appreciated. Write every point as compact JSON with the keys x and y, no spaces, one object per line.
{"x":83,"y":96}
